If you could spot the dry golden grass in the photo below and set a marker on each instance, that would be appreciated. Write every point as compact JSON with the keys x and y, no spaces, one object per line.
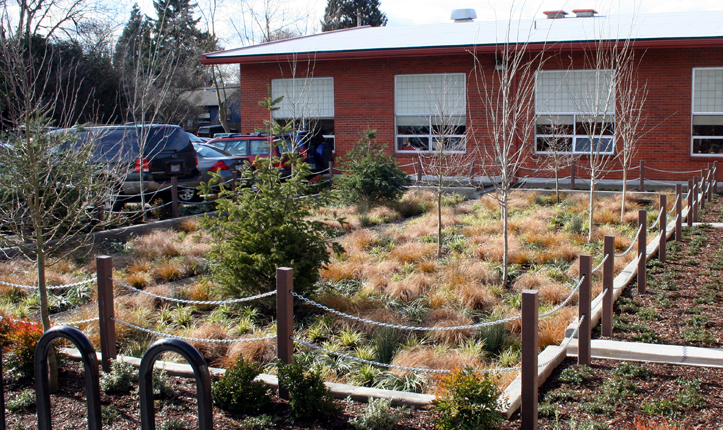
{"x":428,"y":266}
{"x":65,"y":265}
{"x":199,"y":291}
{"x":446,"y":317}
{"x":410,"y":287}
{"x":384,"y":214}
{"x":263,"y":351}
{"x":418,"y":229}
{"x":146,"y":301}
{"x":169,"y":271}
{"x":412,"y":252}
{"x":212,"y":351}
{"x":552,"y":328}
{"x":606,"y":216}
{"x":430,"y":358}
{"x":476,"y":296}
{"x":155,"y":245}
{"x":189,"y":225}
{"x":138,"y":266}
{"x":359,"y":240}
{"x":138,"y":279}
{"x":482,"y":229}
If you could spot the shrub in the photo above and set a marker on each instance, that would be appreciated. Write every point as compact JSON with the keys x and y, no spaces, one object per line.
{"x":372,"y":176}
{"x":308,"y":396}
{"x":576,"y":376}
{"x":163,"y":385}
{"x":22,"y":402}
{"x":379,"y":415}
{"x":119,"y":379}
{"x":237,"y":391}
{"x":19,"y":339}
{"x":468,"y":400}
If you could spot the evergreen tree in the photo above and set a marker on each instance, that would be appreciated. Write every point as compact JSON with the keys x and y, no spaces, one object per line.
{"x":350,"y":13}
{"x":133,"y":41}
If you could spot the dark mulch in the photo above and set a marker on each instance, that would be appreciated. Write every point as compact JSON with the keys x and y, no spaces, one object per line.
{"x":122,"y":412}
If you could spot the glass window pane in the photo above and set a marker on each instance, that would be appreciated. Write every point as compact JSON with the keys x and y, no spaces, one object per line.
{"x":260,"y":147}
{"x":450,"y":144}
{"x":412,"y":143}
{"x":448,"y":125}
{"x":707,"y":146}
{"x":412,"y":125}
{"x":555,"y":124}
{"x":708,"y":125}
{"x":238,"y":147}
{"x":604,"y":145}
{"x":594,"y":126}
{"x":554,"y":144}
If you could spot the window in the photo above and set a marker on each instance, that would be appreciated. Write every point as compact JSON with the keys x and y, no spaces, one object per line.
{"x":575,"y":111}
{"x":308,"y":104}
{"x":707,"y":121}
{"x":431,"y":110}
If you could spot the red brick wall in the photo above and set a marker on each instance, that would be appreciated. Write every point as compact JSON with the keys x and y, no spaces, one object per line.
{"x":364,"y":98}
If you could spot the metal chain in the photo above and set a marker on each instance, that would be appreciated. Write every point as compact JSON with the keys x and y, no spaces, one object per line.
{"x":562,"y":305}
{"x":637,"y":235}
{"x":601,"y":263}
{"x":52,"y":287}
{"x":656,"y":221}
{"x":669,"y":171}
{"x":195,"y":302}
{"x":566,"y":344}
{"x":192,"y":339}
{"x":78,"y":322}
{"x":403,"y":327}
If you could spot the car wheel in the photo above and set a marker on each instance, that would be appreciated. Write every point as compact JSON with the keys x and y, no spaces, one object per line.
{"x":187,"y":194}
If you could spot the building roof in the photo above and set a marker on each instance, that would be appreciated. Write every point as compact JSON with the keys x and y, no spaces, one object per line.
{"x":670,"y":29}
{"x":206,"y":96}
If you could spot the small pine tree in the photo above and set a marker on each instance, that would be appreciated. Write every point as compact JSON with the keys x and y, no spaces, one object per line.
{"x":372,"y":176}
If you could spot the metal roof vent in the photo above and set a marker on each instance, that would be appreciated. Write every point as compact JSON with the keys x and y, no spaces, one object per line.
{"x":555,"y":14}
{"x":584,"y":13}
{"x":463,"y":15}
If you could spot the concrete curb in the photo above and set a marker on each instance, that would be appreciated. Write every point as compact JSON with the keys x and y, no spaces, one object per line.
{"x":652,"y":353}
{"x":340,"y":391}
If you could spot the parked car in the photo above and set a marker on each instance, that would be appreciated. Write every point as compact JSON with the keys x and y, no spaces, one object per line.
{"x":211,"y":130}
{"x":196,"y":139}
{"x":168,"y":152}
{"x":213,"y":160}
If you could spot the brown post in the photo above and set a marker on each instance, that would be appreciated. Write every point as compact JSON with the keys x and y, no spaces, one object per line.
{"x":715,"y":177}
{"x":284,"y":319}
{"x":608,"y":267}
{"x":234,"y":180}
{"x":642,"y":252}
{"x":642,"y":175}
{"x":703,"y":191}
{"x":678,"y":212}
{"x":331,"y":173}
{"x":696,"y":204}
{"x":572,"y":175}
{"x":528,"y":408}
{"x":689,"y":218}
{"x":583,"y":336}
{"x":419,"y":170}
{"x":174,"y":197}
{"x":104,"y":271}
{"x":663,"y":227}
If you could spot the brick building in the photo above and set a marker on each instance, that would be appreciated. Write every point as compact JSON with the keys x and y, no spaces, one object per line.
{"x":417,"y":85}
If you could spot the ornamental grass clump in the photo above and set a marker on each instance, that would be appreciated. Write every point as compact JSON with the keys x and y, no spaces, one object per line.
{"x":468,"y":400}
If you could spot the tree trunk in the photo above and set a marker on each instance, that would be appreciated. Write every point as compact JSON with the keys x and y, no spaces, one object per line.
{"x":625,"y":190}
{"x":440,"y":190}
{"x":557,"y":184}
{"x":592,"y":206}
{"x":45,"y":316}
{"x":505,"y":236}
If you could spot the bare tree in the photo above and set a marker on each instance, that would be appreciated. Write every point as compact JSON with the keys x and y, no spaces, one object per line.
{"x":557,"y":156}
{"x":630,"y":120}
{"x":50,"y":185}
{"x":268,"y":20}
{"x":507,"y":95}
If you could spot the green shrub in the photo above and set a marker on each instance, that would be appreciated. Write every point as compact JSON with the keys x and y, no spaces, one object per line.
{"x":627,"y":370}
{"x":172,"y":424}
{"x":468,"y":400}
{"x":22,"y":402}
{"x":308,"y":396}
{"x":379,"y":415}
{"x":119,"y":379}
{"x":372,"y":176}
{"x":576,"y":376}
{"x":163,"y":385}
{"x":262,"y":422}
{"x":237,"y":391}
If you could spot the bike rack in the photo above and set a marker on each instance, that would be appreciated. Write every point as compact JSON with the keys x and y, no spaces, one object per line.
{"x":200,"y":371}
{"x":90,"y":364}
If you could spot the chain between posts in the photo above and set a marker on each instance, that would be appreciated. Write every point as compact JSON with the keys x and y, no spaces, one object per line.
{"x":600,"y":265}
{"x":191,"y":339}
{"x":637,"y":236}
{"x":52,"y":287}
{"x":403,"y":327}
{"x":195,"y":302}
{"x":562,"y":305}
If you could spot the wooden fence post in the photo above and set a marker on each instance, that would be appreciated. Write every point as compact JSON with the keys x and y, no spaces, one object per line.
{"x":572,"y":175}
{"x":678,"y":212}
{"x":696,"y":204}
{"x":419,"y":170}
{"x":608,"y":267}
{"x":174,"y":197}
{"x":642,"y":252}
{"x":583,"y":336}
{"x":331,"y":173}
{"x":715,"y":177}
{"x":284,"y":319}
{"x":663,"y":227}
{"x":689,"y":217}
{"x":642,"y":176}
{"x":529,"y":347}
{"x":106,"y":313}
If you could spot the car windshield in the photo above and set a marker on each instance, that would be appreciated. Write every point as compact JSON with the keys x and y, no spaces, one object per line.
{"x":208,"y":152}
{"x":260,"y":147}
{"x":236,"y":147}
